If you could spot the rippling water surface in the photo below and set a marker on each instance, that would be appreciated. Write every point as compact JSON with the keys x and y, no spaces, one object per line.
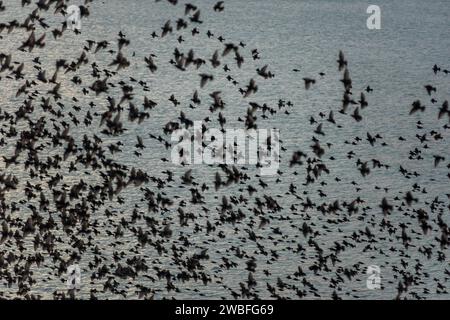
{"x":395,"y":61}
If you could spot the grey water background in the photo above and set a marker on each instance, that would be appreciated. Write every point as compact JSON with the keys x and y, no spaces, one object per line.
{"x":395,"y":61}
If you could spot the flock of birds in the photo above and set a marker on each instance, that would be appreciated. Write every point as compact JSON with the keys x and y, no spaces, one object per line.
{"x":61,"y":191}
